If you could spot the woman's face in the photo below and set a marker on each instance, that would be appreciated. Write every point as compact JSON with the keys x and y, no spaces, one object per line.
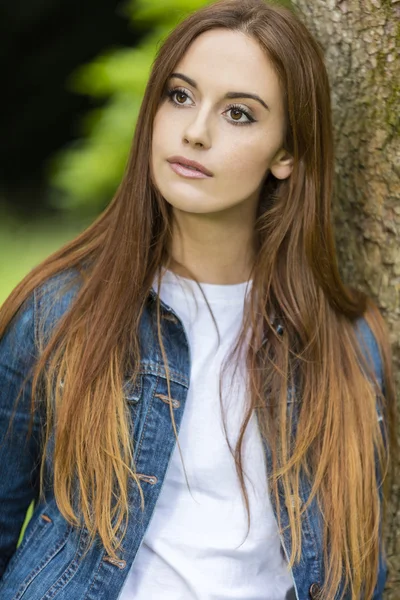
{"x":237,"y":139}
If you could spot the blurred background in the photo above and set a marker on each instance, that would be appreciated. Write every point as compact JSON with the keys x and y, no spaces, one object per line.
{"x":73,"y":76}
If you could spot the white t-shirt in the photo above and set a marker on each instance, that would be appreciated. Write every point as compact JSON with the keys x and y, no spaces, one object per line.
{"x":194,"y":547}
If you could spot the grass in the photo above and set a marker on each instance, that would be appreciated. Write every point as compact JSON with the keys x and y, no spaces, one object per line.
{"x":25,"y":245}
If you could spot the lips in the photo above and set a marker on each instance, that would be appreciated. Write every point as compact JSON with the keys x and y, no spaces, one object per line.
{"x":188,"y":172}
{"x":186,"y":162}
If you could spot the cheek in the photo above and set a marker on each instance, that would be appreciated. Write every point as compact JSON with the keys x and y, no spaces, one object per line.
{"x":163,"y":128}
{"x":160,"y":145}
{"x":246,"y":162}
{"x":160,"y":135}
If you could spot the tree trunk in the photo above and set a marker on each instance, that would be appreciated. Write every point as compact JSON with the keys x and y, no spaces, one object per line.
{"x":361,"y":39}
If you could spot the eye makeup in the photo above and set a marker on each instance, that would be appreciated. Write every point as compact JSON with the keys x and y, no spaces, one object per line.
{"x":173,"y":91}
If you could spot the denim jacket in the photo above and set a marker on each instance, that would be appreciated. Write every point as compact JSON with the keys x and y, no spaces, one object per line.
{"x":48,"y":563}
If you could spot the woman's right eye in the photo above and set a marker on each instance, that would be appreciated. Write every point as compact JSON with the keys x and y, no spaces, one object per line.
{"x":178,"y":94}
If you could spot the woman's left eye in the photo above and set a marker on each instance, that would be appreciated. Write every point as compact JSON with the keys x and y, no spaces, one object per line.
{"x":233,"y":108}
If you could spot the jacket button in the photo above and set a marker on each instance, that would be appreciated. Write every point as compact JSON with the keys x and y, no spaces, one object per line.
{"x":315,"y":591}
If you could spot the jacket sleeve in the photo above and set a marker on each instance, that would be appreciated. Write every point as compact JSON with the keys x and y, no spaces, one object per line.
{"x":378,"y":369}
{"x":19,"y":455}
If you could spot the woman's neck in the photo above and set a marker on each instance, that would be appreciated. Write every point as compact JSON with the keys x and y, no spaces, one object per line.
{"x":216,"y":249}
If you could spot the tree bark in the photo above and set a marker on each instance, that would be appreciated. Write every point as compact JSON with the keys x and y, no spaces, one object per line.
{"x":361,"y":40}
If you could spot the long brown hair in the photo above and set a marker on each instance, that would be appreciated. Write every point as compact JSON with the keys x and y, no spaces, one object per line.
{"x":295,"y":279}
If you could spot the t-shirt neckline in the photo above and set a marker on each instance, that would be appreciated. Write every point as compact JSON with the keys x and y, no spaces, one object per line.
{"x":214,"y":292}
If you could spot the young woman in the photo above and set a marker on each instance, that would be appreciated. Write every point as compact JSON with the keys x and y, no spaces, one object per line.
{"x":205,"y":301}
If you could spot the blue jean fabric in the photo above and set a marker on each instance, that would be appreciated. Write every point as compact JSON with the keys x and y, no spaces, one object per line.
{"x":48,"y":563}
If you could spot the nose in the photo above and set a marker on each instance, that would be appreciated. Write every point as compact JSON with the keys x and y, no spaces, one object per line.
{"x":197,"y":132}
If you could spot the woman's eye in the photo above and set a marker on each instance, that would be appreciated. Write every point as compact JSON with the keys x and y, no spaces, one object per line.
{"x":178,"y":94}
{"x":234,"y":110}
{"x":178,"y":97}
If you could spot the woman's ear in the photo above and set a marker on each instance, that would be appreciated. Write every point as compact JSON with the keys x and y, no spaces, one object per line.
{"x":282,"y":164}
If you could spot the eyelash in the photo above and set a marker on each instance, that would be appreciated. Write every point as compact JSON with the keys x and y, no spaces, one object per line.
{"x":172,"y":91}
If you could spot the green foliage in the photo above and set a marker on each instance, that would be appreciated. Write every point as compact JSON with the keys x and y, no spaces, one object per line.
{"x":87,"y":173}
{"x":166,"y":11}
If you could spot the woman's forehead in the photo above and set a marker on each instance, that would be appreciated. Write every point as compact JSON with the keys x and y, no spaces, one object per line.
{"x":221,"y":61}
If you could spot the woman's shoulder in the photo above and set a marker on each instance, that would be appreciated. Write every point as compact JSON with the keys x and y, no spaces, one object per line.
{"x":59,"y":290}
{"x":42,"y":307}
{"x":55,"y":296}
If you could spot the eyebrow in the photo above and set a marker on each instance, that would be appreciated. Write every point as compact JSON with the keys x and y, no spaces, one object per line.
{"x":191,"y":82}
